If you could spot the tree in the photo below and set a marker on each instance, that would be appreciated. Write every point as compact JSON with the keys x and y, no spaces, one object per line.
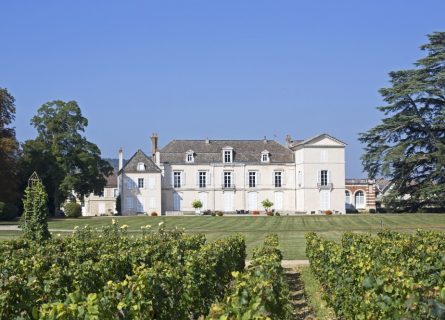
{"x":8,"y":148}
{"x":34,"y":219}
{"x":408,"y":146}
{"x":267,"y":204}
{"x":62,"y":155}
{"x":197,"y":205}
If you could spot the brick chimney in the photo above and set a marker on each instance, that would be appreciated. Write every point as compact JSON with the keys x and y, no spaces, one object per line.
{"x":154,"y":144}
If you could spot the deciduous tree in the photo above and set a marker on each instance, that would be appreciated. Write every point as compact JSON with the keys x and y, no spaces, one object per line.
{"x":8,"y":148}
{"x":408,"y":146}
{"x":62,"y":155}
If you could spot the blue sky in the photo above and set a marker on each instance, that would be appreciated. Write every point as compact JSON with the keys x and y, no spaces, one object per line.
{"x":217,"y":69}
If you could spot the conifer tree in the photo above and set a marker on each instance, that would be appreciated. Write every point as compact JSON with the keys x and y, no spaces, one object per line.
{"x":408,"y":146}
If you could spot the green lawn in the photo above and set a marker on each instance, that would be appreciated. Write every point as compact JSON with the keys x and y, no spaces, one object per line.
{"x":290,"y":229}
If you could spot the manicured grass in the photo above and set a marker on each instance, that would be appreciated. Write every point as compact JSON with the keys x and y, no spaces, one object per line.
{"x":290,"y":229}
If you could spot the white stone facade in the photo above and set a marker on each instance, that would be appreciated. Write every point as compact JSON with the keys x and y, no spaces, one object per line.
{"x":305,"y":176}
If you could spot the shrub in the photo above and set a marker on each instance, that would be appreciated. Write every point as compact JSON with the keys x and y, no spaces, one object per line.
{"x":220,"y":213}
{"x":72,"y":209}
{"x":207,"y":212}
{"x":267,"y":204}
{"x":277,"y":213}
{"x":8,"y":211}
{"x":261,"y":292}
{"x":372,"y":211}
{"x":351,"y":210}
{"x":118,"y":205}
{"x":269,"y":213}
{"x":388,"y":276}
{"x":197,"y":204}
{"x":35,"y":214}
{"x":213,"y":214}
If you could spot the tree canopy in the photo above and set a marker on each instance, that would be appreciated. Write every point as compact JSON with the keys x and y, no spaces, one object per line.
{"x":408,"y":146}
{"x":8,"y":148}
{"x":62,"y":155}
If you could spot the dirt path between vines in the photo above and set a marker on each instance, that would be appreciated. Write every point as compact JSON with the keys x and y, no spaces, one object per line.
{"x":301,"y":309}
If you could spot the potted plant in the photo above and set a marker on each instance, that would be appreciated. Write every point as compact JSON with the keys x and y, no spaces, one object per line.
{"x":255,"y":213}
{"x":267,"y":204}
{"x":197,"y":205}
{"x":328,"y":212}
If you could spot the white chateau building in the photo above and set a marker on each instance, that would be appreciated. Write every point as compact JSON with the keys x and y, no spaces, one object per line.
{"x":303,"y":176}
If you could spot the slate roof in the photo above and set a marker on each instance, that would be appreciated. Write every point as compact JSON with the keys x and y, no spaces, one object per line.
{"x":210,"y":151}
{"x":140,"y":156}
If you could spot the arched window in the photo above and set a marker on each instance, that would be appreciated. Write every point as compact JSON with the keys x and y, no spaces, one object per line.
{"x":347,"y":197}
{"x":359,"y":199}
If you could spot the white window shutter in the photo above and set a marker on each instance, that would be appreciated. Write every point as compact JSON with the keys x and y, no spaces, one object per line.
{"x":208,"y":179}
{"x":329,"y":177}
{"x":183,"y":182}
{"x":318,"y":176}
{"x":222,"y":178}
{"x":197,"y":178}
{"x":172,"y":178}
{"x":283,"y":177}
{"x":246,"y":181}
{"x":233,"y":179}
{"x":258,"y":178}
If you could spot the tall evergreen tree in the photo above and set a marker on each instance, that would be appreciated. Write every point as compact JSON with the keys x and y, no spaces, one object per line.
{"x":408,"y":146}
{"x":62,"y":155}
{"x":8,"y":148}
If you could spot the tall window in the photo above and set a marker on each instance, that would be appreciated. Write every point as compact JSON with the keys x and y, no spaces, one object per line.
{"x":278,"y":179}
{"x":129,"y":203}
{"x":177,"y":179}
{"x":227,"y":156}
{"x":227,"y":179}
{"x":347,"y":197}
{"x":141,"y":183}
{"x":324,"y":177}
{"x":202,"y":177}
{"x":360,"y":199}
{"x":252,"y":179}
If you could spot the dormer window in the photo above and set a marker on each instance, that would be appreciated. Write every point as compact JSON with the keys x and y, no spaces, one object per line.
{"x":141,"y":166}
{"x":265,"y":156}
{"x":189,"y":156}
{"x":228,"y":155}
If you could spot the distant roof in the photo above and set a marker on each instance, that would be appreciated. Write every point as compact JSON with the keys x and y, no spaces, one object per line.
{"x":383,"y":184}
{"x":140,"y":157}
{"x":111,"y":180}
{"x":358,"y":181}
{"x":210,"y":151}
